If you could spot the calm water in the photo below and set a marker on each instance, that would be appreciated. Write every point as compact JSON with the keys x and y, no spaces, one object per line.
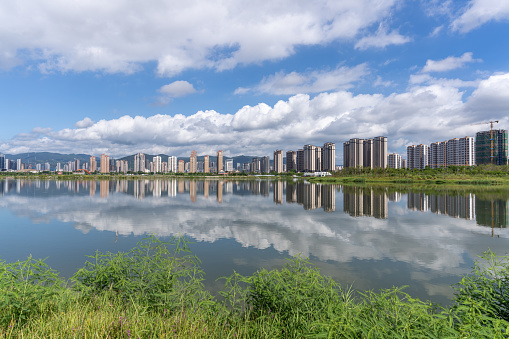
{"x":369,"y":238}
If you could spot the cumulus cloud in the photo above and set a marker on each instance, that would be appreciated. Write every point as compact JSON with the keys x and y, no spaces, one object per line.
{"x":120,"y":36}
{"x":430,"y":110}
{"x":479,"y":12}
{"x":309,"y":82}
{"x":381,"y":39}
{"x":176,"y":89}
{"x":449,"y":63}
{"x":87,"y":122}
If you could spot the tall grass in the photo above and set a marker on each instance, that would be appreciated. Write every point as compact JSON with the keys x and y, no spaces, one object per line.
{"x":155,"y":290}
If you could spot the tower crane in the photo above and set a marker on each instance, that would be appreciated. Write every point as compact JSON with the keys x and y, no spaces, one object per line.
{"x":491,"y":134}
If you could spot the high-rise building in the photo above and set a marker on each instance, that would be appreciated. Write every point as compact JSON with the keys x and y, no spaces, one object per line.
{"x":181,"y":166}
{"x":255,"y":165}
{"x":172,"y":164}
{"x":219,"y":161}
{"x":328,"y":157}
{"x":157,"y":161}
{"x":193,"y":166}
{"x":300,"y":160}
{"x":309,"y":158}
{"x":380,"y":152}
{"x":229,"y":165}
{"x":483,"y":141}
{"x":93,"y":164}
{"x":105,"y":163}
{"x":265,"y":164}
{"x":353,"y":153}
{"x":394,"y":161}
{"x":278,"y":161}
{"x":367,"y":153}
{"x":3,"y":166}
{"x":460,"y":152}
{"x":206,"y":164}
{"x":318,"y":159}
{"x":139,"y":162}
{"x":417,"y":156}
{"x":291,"y":161}
{"x":437,"y":156}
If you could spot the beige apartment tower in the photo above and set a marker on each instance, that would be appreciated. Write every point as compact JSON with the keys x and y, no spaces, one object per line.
{"x":193,"y":162}
{"x":206,"y":164}
{"x":278,"y":161}
{"x":93,"y":164}
{"x":105,"y":163}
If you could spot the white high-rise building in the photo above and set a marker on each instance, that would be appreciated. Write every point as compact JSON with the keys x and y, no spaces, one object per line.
{"x":139,"y":162}
{"x":172,"y":164}
{"x":229,"y":165}
{"x":394,"y":160}
{"x":157,"y":164}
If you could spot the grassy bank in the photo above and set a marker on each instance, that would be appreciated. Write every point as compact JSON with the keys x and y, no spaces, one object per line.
{"x":485,"y":175}
{"x":155,"y":290}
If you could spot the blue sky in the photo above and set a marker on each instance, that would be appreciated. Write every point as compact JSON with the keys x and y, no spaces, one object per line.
{"x":248,"y":77}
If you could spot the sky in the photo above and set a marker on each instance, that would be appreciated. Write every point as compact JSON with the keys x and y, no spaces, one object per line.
{"x":248,"y":77}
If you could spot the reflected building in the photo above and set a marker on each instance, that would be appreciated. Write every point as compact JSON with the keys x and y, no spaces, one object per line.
{"x":395,"y":196}
{"x":328,"y":198}
{"x":206,"y":188}
{"x":492,"y":213}
{"x":278,"y":192}
{"x":172,"y":188}
{"x":364,"y":201}
{"x":104,"y":187}
{"x":92,"y":189}
{"x":418,"y":201}
{"x":219,"y":196}
{"x":192,"y":190}
{"x":291,"y":193}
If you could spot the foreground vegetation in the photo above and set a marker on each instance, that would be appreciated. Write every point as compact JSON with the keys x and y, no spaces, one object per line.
{"x":155,"y":290}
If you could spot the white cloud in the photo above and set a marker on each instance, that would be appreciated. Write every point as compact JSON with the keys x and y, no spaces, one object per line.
{"x":449,"y":63}
{"x":310,"y":82}
{"x":382,"y":39}
{"x":87,"y":122}
{"x":119,"y":36}
{"x":421,"y":79}
{"x":380,"y":82}
{"x":177,"y":89}
{"x":430,"y":110}
{"x":436,"y":31}
{"x":479,"y":12}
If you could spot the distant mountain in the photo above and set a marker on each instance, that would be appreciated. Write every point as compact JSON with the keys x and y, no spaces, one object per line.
{"x":44,"y":157}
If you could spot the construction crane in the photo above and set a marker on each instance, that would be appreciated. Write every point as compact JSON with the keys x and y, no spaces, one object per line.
{"x":491,"y":134}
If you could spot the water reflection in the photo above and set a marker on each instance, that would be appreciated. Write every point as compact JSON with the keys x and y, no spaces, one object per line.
{"x":364,"y":201}
{"x":376,"y":235}
{"x":357,"y":201}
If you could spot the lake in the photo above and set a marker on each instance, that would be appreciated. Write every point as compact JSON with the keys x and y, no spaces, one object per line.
{"x":367,"y":237}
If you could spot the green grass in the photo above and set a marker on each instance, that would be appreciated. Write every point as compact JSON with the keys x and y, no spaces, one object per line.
{"x":155,"y":291}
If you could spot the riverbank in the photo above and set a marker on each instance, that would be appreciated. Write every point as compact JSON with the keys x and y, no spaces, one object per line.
{"x":155,"y":290}
{"x":452,"y":175}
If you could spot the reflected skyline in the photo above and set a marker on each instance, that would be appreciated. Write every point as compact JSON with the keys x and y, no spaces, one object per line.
{"x":357,"y":201}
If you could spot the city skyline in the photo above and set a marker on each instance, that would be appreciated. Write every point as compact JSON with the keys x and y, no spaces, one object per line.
{"x":261,"y":78}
